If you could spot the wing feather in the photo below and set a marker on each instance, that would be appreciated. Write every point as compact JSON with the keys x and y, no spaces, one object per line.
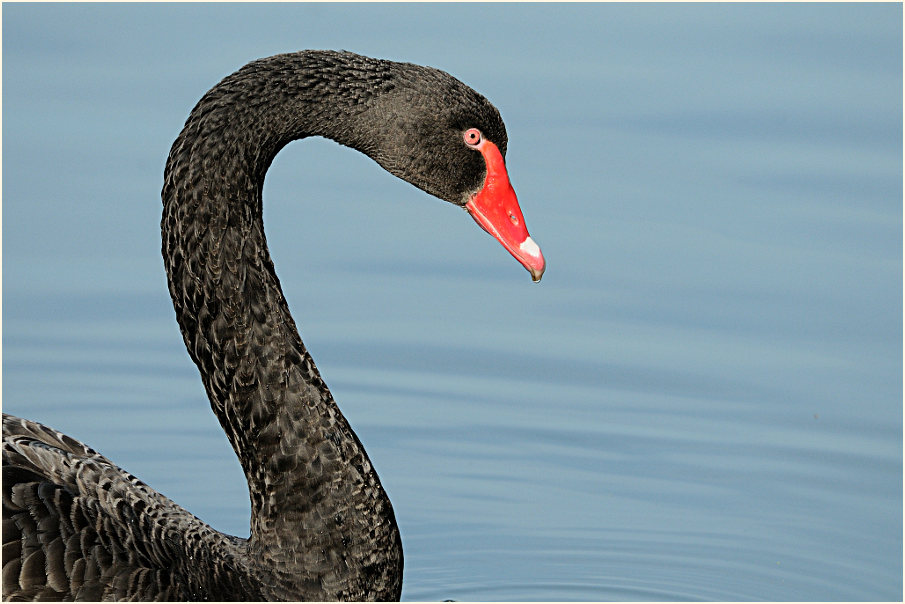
{"x":77,"y":526}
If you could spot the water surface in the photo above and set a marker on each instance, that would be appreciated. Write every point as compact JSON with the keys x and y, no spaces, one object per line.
{"x":701,"y":400}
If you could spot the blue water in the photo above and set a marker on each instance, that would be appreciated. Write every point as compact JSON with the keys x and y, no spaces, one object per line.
{"x":701,"y":400}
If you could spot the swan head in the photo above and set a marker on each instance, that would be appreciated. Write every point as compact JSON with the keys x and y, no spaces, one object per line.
{"x":450,"y":141}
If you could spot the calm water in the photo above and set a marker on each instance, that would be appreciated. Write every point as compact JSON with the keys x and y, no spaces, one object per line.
{"x":702,"y":399}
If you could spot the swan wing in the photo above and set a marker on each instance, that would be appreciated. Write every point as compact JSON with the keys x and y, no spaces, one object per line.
{"x":77,"y":526}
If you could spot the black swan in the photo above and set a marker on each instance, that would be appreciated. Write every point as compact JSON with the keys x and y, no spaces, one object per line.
{"x":75,"y":526}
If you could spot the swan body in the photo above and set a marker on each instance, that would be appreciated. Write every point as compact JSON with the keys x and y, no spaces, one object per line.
{"x":76,"y":526}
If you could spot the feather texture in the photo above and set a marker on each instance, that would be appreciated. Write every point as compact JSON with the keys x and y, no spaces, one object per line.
{"x":76,"y":526}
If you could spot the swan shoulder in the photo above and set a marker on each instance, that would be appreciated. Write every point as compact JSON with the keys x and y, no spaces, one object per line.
{"x":77,"y":526}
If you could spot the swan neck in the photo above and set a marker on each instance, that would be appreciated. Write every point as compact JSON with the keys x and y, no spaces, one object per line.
{"x":313,"y":491}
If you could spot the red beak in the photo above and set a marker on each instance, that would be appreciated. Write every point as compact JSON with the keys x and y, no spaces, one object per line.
{"x":495,"y":207}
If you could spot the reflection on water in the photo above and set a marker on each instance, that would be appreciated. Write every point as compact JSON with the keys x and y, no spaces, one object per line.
{"x":702,"y":399}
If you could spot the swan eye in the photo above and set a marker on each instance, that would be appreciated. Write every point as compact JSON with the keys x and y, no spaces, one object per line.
{"x":473,"y":137}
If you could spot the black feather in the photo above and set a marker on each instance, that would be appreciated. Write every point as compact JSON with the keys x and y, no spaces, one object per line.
{"x":77,"y":526}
